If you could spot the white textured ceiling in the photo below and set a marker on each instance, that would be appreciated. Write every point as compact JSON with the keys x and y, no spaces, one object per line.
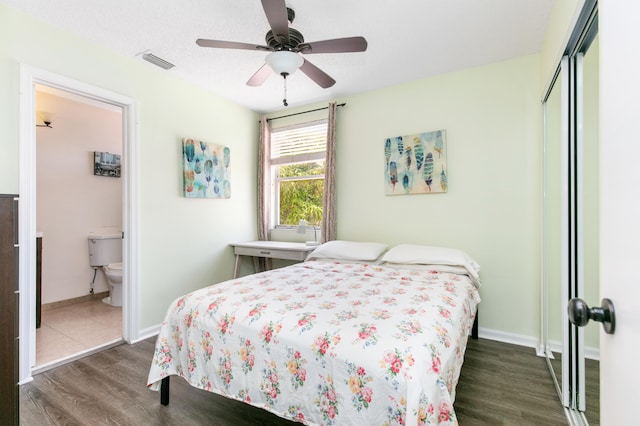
{"x":408,"y":39}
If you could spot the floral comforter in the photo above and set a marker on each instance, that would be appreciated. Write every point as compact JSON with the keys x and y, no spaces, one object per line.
{"x":325,"y":342}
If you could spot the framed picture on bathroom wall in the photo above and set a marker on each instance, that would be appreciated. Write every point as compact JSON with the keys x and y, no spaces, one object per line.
{"x":206,"y":169}
{"x":106,"y":164}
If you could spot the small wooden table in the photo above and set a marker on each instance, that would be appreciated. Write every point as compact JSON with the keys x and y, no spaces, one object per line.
{"x":271,"y":249}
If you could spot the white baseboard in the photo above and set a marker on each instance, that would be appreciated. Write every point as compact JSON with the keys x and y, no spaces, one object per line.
{"x":147,"y":333}
{"x":590,"y":352}
{"x":506,"y":337}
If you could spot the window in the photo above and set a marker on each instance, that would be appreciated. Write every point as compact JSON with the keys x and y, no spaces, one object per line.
{"x":297,"y":165}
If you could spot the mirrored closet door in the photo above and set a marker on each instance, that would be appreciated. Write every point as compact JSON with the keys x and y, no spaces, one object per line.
{"x":555,"y":223}
{"x":571,"y":219}
{"x":589,"y":182}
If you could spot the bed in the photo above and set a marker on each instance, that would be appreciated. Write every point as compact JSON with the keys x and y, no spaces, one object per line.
{"x":357,"y":334}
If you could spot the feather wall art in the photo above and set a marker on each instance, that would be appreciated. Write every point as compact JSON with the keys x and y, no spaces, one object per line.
{"x":416,"y":164}
{"x":206,"y":169}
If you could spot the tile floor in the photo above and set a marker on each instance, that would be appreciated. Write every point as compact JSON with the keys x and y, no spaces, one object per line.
{"x":68,"y":330}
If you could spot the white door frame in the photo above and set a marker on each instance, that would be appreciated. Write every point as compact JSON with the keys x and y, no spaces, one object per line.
{"x":29,"y":77}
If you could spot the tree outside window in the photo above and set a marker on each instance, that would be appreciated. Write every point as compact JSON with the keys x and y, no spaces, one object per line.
{"x":301,"y":190}
{"x":298,"y":165}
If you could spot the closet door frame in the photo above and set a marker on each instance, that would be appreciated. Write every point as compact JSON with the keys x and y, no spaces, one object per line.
{"x":571,"y":390}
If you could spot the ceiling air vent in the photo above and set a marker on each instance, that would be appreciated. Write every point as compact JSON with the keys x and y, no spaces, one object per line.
{"x":150,"y":57}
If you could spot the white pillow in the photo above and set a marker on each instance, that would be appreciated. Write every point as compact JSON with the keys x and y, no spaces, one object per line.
{"x":348,"y":250}
{"x":449,"y":269}
{"x":430,"y":255}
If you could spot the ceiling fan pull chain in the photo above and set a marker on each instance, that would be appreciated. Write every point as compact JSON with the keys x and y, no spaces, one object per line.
{"x":284,"y":101}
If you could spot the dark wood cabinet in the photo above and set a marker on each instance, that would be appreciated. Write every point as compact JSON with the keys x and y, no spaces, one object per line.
{"x":9,"y":299}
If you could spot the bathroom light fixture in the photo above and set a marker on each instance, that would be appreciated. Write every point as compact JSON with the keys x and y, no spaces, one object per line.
{"x":285,"y":63}
{"x":150,"y":57}
{"x":302,"y":229}
{"x":46,"y":124}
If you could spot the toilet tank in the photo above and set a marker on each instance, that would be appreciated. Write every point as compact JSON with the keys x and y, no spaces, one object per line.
{"x":105,"y":248}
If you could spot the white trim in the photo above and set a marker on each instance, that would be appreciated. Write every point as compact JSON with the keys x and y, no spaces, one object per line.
{"x":506,"y":337}
{"x":565,"y":243}
{"x":148,"y":332}
{"x":81,"y":99}
{"x":540,"y":351}
{"x":300,"y":158}
{"x":544,"y":284}
{"x":29,"y":76}
{"x":591,"y":352}
{"x":579,"y":186}
{"x":27,"y":226}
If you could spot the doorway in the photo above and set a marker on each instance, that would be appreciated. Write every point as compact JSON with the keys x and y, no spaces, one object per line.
{"x":72,"y":201}
{"x":29,"y":78}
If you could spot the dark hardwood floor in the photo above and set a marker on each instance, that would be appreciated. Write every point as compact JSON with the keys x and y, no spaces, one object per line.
{"x":500,"y":384}
{"x":592,"y":386}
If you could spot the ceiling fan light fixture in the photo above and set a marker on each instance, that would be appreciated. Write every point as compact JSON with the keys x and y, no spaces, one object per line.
{"x":284,"y":62}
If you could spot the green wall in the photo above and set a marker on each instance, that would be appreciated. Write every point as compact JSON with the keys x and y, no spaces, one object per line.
{"x":183,"y":243}
{"x":492,"y":115}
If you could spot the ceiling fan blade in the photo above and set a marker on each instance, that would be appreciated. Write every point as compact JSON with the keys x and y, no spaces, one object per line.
{"x":276,"y":12}
{"x":260,"y":76}
{"x":337,"y":45}
{"x":316,"y":74}
{"x":220,"y":44}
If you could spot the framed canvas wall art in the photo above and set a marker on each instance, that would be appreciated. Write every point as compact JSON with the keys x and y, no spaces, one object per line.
{"x":416,"y":164}
{"x":206,"y":169}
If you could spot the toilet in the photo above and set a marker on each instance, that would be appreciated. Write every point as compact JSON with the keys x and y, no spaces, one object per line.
{"x":105,"y":252}
{"x":113,"y":272}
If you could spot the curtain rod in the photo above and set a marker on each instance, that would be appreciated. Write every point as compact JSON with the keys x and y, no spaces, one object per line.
{"x":304,"y":112}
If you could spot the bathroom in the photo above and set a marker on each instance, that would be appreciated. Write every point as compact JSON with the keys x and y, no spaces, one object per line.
{"x":74,"y":202}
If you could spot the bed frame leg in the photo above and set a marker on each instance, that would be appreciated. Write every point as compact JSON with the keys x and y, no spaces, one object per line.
{"x":164,"y":391}
{"x":474,"y":329}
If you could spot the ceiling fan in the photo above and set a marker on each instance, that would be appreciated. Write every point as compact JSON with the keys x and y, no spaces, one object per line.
{"x":286,"y":44}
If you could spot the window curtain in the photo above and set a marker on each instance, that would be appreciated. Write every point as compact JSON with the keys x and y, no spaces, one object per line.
{"x":264,"y":190}
{"x":329,"y":197}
